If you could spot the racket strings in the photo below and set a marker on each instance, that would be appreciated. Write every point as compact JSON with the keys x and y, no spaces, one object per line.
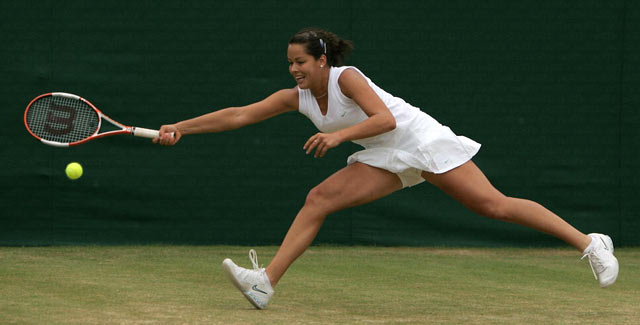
{"x":62,"y":119}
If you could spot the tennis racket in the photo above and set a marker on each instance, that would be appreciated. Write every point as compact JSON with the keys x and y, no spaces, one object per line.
{"x":64,"y":120}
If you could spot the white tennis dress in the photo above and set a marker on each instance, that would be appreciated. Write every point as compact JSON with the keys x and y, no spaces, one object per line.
{"x":418,"y":143}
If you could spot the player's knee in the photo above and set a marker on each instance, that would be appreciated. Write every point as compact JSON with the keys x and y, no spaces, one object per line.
{"x":319,"y":198}
{"x":496,"y":208}
{"x":315,"y":198}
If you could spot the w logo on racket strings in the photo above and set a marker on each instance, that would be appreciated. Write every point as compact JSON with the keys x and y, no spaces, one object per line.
{"x":65,"y":117}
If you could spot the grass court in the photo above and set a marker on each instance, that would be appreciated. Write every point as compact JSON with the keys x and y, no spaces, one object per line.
{"x":327,"y":285}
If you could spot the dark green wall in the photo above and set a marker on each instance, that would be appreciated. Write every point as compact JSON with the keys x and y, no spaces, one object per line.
{"x":550,"y":88}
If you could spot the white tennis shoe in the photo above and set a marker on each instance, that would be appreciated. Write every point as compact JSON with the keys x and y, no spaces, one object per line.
{"x":603,"y":264}
{"x":254,"y":284}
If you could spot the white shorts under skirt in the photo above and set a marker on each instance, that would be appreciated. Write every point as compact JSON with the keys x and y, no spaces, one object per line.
{"x":420,"y":145}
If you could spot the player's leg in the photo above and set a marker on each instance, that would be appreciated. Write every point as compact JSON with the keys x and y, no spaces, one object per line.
{"x":468,"y":185}
{"x":353,"y":185}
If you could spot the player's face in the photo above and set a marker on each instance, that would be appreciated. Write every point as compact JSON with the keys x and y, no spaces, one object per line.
{"x":304,"y":68}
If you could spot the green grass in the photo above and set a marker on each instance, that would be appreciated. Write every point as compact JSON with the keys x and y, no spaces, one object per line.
{"x":344,"y":285}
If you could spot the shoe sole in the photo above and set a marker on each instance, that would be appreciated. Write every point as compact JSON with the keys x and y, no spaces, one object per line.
{"x":227,"y":266}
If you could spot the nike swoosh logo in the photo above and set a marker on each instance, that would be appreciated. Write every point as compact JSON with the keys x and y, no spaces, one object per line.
{"x":605,"y":244}
{"x":255,"y":287}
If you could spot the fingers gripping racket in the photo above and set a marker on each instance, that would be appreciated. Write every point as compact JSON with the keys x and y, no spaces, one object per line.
{"x":63,"y":120}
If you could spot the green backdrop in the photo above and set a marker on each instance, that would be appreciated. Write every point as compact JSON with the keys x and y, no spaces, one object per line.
{"x":550,"y":88}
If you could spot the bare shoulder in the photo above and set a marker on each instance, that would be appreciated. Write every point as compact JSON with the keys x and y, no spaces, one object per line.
{"x":352,"y":82}
{"x":287,"y":98}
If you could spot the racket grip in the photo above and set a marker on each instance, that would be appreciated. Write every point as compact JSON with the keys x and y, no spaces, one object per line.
{"x":145,"y":133}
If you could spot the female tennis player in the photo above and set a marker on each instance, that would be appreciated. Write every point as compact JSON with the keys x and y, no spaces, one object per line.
{"x":403,"y":147}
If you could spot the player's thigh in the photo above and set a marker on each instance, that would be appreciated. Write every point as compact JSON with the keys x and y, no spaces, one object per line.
{"x":469,"y":186}
{"x":354,"y":185}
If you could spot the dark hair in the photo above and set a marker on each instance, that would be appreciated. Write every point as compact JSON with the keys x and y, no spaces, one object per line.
{"x":319,"y":41}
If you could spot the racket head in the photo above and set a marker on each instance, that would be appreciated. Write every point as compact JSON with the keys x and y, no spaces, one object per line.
{"x":62,"y":119}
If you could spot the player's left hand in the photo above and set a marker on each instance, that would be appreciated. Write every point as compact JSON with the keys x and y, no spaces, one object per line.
{"x":321,"y":142}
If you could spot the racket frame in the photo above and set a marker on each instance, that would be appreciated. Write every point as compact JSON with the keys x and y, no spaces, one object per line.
{"x":124,"y":129}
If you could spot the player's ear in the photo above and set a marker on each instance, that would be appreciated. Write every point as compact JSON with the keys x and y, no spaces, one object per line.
{"x":323,"y":61}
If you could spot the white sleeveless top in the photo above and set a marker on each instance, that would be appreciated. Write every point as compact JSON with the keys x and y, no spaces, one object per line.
{"x":343,"y":112}
{"x":418,"y":143}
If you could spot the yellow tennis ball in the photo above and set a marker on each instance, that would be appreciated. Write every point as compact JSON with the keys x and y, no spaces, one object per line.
{"x":73,"y":170}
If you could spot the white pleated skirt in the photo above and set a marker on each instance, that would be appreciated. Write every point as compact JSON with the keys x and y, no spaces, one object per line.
{"x":423,"y":144}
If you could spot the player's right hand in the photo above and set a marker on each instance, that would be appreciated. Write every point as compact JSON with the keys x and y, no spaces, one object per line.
{"x":169,"y":135}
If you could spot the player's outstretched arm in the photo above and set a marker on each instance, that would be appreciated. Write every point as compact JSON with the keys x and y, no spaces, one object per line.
{"x":232,"y":117}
